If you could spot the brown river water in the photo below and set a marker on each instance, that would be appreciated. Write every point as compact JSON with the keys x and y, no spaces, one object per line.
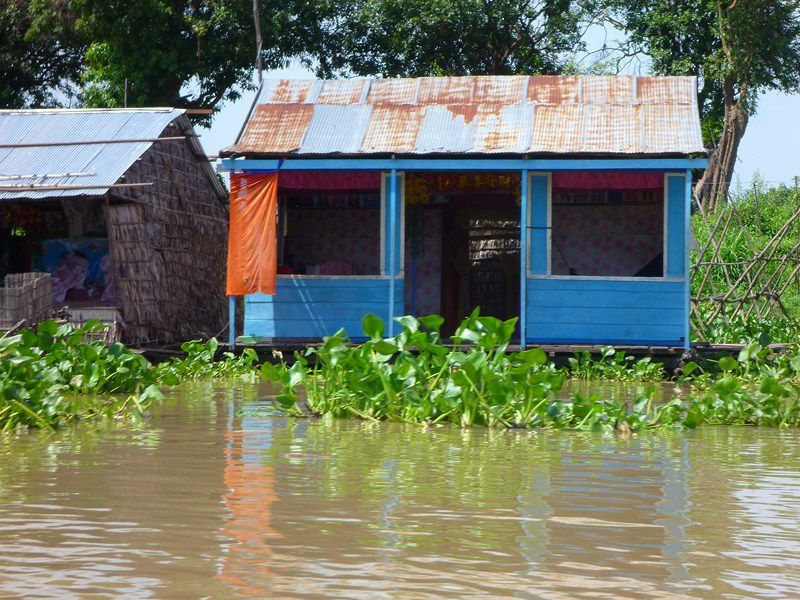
{"x":215,"y":495}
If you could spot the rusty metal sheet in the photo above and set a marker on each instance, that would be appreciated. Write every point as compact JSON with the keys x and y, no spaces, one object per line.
{"x":665,"y":90}
{"x":606,"y":89}
{"x":445,"y":129}
{"x":610,"y":129}
{"x":336,"y":129}
{"x":287,"y":91}
{"x":342,"y":91}
{"x":275,"y":128}
{"x":500,"y":90}
{"x":446,"y":90}
{"x":393,"y":91}
{"x":662,"y":129}
{"x":552,"y":89}
{"x":393,"y":129}
{"x":557,"y":128}
{"x":480,"y":115}
{"x":503,"y":129}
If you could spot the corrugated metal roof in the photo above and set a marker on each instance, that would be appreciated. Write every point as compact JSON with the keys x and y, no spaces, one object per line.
{"x":89,"y":164}
{"x":598,"y":115}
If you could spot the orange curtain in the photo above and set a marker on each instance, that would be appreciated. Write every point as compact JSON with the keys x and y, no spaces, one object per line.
{"x":252,"y":240}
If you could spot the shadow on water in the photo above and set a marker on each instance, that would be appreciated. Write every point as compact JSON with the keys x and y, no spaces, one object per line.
{"x":217,"y":495}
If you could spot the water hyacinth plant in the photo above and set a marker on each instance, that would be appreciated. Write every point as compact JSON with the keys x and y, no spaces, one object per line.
{"x":415,"y":377}
{"x":58,"y":373}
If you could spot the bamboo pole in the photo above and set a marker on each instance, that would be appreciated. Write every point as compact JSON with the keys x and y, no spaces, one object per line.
{"x":94,"y":142}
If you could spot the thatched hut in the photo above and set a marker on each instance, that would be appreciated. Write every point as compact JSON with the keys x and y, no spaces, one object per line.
{"x":124,"y":210}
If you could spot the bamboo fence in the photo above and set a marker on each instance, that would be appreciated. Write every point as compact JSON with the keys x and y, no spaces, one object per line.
{"x":736,"y":291}
{"x":25,"y":300}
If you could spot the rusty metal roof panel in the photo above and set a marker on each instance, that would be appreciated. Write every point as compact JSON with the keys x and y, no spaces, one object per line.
{"x":661,"y":130}
{"x":336,"y":129}
{"x":557,"y":128}
{"x":666,"y":90}
{"x":393,"y":129}
{"x":83,"y":158}
{"x":288,"y":91}
{"x":393,"y":91}
{"x":500,"y":90}
{"x":446,"y":90}
{"x":606,"y":89}
{"x":476,"y":114}
{"x":446,"y":129}
{"x":552,"y":89}
{"x":503,"y":129}
{"x":275,"y":128}
{"x":342,"y":91}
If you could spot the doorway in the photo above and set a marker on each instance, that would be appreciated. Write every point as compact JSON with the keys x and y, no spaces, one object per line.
{"x":462,"y":248}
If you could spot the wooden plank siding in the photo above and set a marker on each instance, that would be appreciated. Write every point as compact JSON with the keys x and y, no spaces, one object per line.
{"x":313,"y":307}
{"x":598,"y":310}
{"x":601,"y":311}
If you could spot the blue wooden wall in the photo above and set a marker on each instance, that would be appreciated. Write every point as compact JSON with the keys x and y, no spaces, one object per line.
{"x":597,"y":311}
{"x":647,"y":311}
{"x":313,"y":307}
{"x":563,"y":309}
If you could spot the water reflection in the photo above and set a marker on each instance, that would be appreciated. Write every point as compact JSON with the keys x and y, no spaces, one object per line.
{"x":216,"y":496}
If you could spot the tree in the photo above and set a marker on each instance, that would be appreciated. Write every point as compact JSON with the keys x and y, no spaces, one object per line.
{"x":39,"y":54}
{"x":737,"y":48}
{"x":441,"y":37}
{"x":184,"y":53}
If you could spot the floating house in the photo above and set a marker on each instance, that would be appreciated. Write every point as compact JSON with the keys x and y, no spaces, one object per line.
{"x":124,"y":211}
{"x":561,"y":200}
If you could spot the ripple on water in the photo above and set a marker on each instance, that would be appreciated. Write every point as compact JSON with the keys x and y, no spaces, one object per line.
{"x":216,"y":495}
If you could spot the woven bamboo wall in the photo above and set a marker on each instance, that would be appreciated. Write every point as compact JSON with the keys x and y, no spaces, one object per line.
{"x":169,"y":244}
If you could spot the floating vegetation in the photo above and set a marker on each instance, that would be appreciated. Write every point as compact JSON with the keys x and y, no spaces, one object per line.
{"x":58,"y":374}
{"x":61,"y":373}
{"x":416,"y":377}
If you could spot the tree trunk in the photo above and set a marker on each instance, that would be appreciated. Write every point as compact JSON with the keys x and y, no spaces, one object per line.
{"x":712,"y":189}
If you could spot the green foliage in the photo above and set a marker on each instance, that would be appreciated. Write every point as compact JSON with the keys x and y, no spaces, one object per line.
{"x":57,"y":374}
{"x":185,"y":54}
{"x":446,"y":37}
{"x":39,"y":54}
{"x":414,"y":377}
{"x":172,"y":53}
{"x":200,"y":361}
{"x":614,"y":365}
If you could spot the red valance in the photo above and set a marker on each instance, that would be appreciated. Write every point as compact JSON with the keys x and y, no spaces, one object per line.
{"x":607,"y":180}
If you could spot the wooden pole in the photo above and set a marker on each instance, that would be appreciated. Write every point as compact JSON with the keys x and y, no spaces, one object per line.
{"x":392,"y":244}
{"x":231,"y":321}
{"x":523,"y":257}
{"x":56,"y":188}
{"x":93,"y":142}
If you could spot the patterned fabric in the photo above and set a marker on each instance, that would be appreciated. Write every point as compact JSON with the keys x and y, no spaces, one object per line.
{"x":319,"y":235}
{"x":614,"y":240}
{"x":428,"y":281}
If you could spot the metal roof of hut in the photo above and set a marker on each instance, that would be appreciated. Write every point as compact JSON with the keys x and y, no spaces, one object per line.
{"x":499,"y":115}
{"x":80,"y":152}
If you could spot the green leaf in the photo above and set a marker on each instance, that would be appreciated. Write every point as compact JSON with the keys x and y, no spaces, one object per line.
{"x":727,"y":363}
{"x":432,"y":322}
{"x":408,"y":322}
{"x":373,"y":326}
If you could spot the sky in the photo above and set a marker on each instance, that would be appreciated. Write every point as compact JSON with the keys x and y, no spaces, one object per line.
{"x":769,"y":147}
